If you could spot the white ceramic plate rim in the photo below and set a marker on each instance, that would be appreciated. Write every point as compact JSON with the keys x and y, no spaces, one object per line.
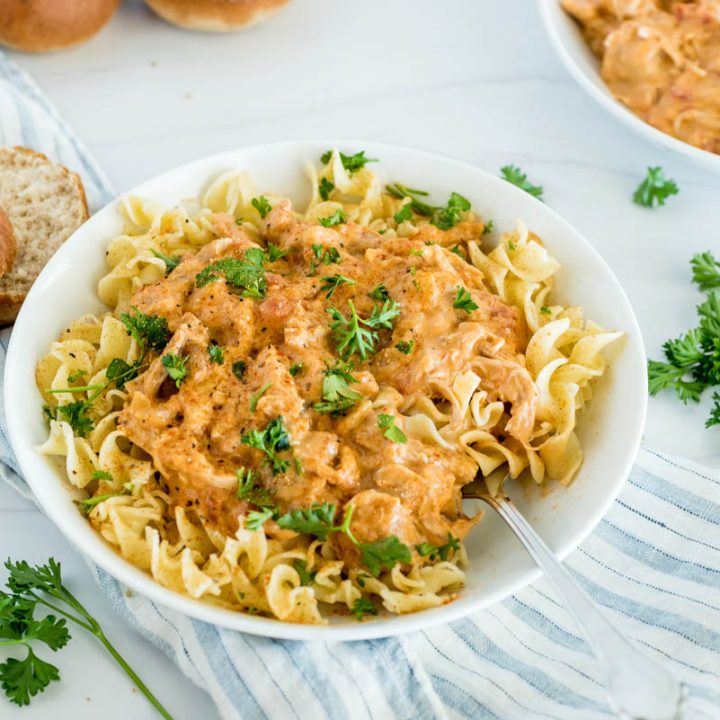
{"x":44,"y":481}
{"x":552,"y":15}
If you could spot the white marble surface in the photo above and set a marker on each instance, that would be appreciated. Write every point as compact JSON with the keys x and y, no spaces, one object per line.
{"x":473,"y":79}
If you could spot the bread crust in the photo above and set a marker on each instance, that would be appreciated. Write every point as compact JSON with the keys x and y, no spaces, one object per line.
{"x":215,"y":15}
{"x":44,"y":25}
{"x":11,"y":301}
{"x":8,"y":243}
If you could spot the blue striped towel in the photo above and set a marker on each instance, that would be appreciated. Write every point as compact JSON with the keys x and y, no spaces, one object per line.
{"x":653,"y":563}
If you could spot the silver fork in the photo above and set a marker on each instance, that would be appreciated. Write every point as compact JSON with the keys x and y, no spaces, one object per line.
{"x":638,"y":688}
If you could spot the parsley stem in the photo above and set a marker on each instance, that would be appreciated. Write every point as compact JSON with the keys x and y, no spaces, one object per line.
{"x":80,"y":388}
{"x":131,"y":673}
{"x":56,"y":609}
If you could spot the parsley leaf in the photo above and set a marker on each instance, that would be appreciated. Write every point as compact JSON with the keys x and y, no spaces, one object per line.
{"x":256,"y":518}
{"x":171,"y":262}
{"x":306,"y":577}
{"x":272,"y":440}
{"x":261,"y":205}
{"x":352,"y":163}
{"x":449,"y":216}
{"x":384,"y":554}
{"x":295,"y":369}
{"x":88,"y":504}
{"x":176,"y":367}
{"x":331,"y":283}
{"x":380,"y":293}
{"x":120,"y":372}
{"x":404,"y":214}
{"x":405,"y":346}
{"x":517,"y":177}
{"x":419,"y":206}
{"x":337,"y":396}
{"x":22,"y":679}
{"x":77,"y":375}
{"x":441,"y":552}
{"x":325,"y":188}
{"x":274,"y":252}
{"x":248,"y":273}
{"x":216,"y":353}
{"x":326,"y":255}
{"x":654,"y":189}
{"x":463,"y":300}
{"x":75,"y":413}
{"x":149,"y":331}
{"x":317,"y":520}
{"x":358,"y":335}
{"x":337,"y":218}
{"x":705,"y":269}
{"x":363,"y":607}
{"x":249,"y":489}
{"x":239,"y":368}
{"x":545,"y":310}
{"x":392,"y":431}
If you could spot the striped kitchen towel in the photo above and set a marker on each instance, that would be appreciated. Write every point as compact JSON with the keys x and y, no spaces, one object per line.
{"x":653,"y":563}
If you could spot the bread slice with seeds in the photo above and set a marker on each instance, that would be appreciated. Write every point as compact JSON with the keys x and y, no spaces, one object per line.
{"x":45,"y":203}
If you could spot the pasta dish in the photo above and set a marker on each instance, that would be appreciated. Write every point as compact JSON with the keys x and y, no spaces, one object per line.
{"x":279,"y":410}
{"x":661,"y":58}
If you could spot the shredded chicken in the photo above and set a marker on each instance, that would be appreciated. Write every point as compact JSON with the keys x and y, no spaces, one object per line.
{"x":412,"y":489}
{"x":662,"y":59}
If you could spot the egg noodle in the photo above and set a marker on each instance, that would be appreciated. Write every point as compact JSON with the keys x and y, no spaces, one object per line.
{"x":439,"y":395}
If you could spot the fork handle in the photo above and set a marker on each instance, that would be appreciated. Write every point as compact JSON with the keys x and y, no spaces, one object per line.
{"x":638,"y":688}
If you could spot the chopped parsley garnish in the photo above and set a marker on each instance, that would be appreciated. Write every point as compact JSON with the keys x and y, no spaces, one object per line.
{"x":337,"y":396}
{"x":75,"y":413}
{"x":352,"y":163}
{"x":149,"y":331}
{"x":216,"y":353}
{"x":545,"y":310}
{"x":102,"y":475}
{"x":405,"y":346}
{"x":363,"y":607}
{"x":439,"y":552}
{"x":28,"y":589}
{"x":693,"y":360}
{"x":517,"y":177}
{"x":77,"y":375}
{"x":255,"y":397}
{"x":272,"y":440}
{"x":392,"y":431}
{"x":380,"y":293}
{"x":239,"y":368}
{"x":171,"y":262}
{"x":274,"y":252}
{"x":257,"y":518}
{"x":337,"y":218}
{"x":489,"y":227}
{"x":248,"y":274}
{"x":325,"y":188}
{"x":120,"y":372}
{"x":261,"y":205}
{"x":655,"y":189}
{"x":449,"y":216}
{"x":326,"y":255}
{"x":88,"y":504}
{"x":331,"y":283}
{"x":295,"y":369}
{"x":359,"y":335}
{"x":404,"y":214}
{"x":463,"y":300}
{"x":319,"y":520}
{"x":306,"y":577}
{"x":176,"y":367}
{"x":457,"y":251}
{"x":419,"y":206}
{"x":249,"y":489}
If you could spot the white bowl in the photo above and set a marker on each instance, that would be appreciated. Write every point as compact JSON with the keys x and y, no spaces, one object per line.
{"x":610,"y":427}
{"x":574,"y":52}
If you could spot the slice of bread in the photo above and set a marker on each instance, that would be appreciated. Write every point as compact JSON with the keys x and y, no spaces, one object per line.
{"x":46,"y":204}
{"x":8,"y":244}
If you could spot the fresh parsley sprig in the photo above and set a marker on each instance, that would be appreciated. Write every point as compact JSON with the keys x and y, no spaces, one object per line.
{"x":463,"y":300}
{"x":332,"y":282}
{"x":337,"y":396}
{"x":359,"y":335}
{"x":176,"y":367}
{"x":337,"y":218}
{"x":692,"y":361}
{"x":248,"y":274}
{"x":42,"y":585}
{"x":443,"y":217}
{"x":271,"y":441}
{"x":352,"y":163}
{"x":515,"y":176}
{"x":655,"y":189}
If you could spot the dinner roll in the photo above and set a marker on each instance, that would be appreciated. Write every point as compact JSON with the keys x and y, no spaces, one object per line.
{"x":41,"y":25}
{"x":8,"y":243}
{"x":215,"y":15}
